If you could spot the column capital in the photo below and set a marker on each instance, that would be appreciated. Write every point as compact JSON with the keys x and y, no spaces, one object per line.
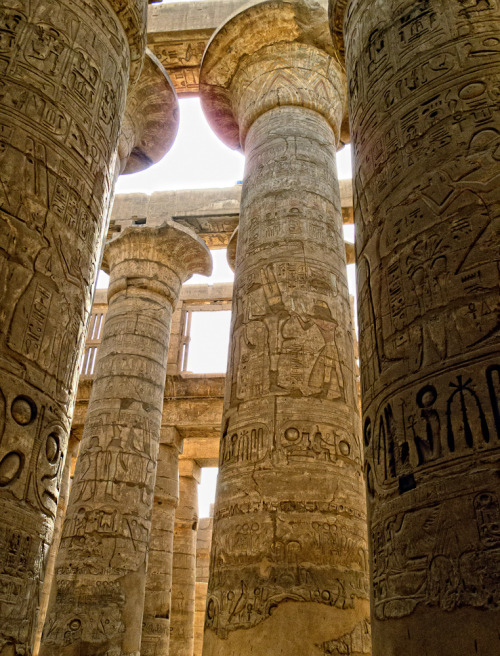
{"x":151,"y":119}
{"x":156,"y":257}
{"x":271,"y":54}
{"x":190,"y":469}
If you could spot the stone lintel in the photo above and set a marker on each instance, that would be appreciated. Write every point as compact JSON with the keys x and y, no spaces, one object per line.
{"x":185,"y":17}
{"x":178,"y":34}
{"x":170,"y":436}
{"x":192,"y":404}
{"x":193,"y":388}
{"x":189,"y":468}
{"x":205,"y":450}
{"x":212,"y":213}
{"x":181,"y":53}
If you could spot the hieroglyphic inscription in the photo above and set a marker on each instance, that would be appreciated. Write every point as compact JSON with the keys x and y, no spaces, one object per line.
{"x":182,"y":59}
{"x":425,"y":126}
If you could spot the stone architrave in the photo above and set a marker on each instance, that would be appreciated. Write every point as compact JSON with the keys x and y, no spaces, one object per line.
{"x":64,"y":66}
{"x":157,"y":602}
{"x":425,"y":120}
{"x":289,"y":569}
{"x":98,"y":592}
{"x":184,"y":561}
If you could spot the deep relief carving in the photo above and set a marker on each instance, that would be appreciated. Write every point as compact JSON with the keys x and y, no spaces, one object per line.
{"x":425,"y":128}
{"x":310,"y":552}
{"x":453,"y":564}
{"x":355,"y":643}
{"x":306,"y":348}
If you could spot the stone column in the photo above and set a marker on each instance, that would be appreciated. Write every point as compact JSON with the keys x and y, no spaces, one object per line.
{"x":425,"y":122}
{"x":233,"y":245}
{"x":184,"y":562}
{"x":157,"y":604}
{"x":65,"y":67}
{"x":98,"y":594}
{"x":289,"y":554}
{"x":203,"y":547}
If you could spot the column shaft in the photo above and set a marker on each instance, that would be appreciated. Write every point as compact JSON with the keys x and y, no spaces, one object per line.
{"x":425,"y":122}
{"x":157,"y":605}
{"x":203,"y":546}
{"x":64,"y":67}
{"x":184,"y":566}
{"x":98,"y":598}
{"x":289,"y":514}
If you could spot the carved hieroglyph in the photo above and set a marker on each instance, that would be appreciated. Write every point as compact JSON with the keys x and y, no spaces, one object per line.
{"x":64,"y":71}
{"x":157,"y":602}
{"x":289,"y":553}
{"x":184,"y":561}
{"x":98,"y":592}
{"x":233,"y":244}
{"x":425,"y":119}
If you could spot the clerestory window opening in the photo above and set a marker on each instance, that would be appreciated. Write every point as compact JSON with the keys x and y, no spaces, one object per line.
{"x":205,"y":338}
